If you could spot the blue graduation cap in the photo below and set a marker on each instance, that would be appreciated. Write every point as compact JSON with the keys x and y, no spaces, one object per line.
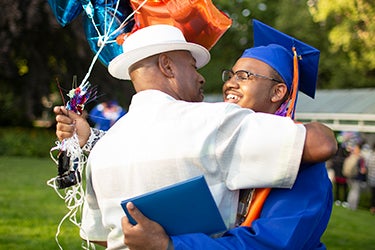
{"x":295,"y":61}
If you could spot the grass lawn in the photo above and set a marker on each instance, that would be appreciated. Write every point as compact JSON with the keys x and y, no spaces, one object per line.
{"x":30,"y":212}
{"x":350,"y":230}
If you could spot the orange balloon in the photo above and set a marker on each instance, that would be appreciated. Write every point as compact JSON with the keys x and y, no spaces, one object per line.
{"x":199,"y":20}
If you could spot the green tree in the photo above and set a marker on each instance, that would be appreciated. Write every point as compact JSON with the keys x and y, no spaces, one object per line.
{"x":36,"y":53}
{"x":351,"y":32}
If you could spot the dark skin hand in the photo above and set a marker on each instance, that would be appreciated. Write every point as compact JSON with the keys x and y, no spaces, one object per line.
{"x":156,"y":238}
{"x":69,"y":122}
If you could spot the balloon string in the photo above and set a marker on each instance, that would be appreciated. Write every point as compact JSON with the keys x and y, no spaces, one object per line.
{"x":123,"y":24}
{"x":105,"y":18}
{"x":106,"y":30}
{"x":92,"y":63}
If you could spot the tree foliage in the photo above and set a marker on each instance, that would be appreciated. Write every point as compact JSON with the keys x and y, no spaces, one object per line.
{"x":37,"y":53}
{"x":353,"y":28}
{"x":350,"y":29}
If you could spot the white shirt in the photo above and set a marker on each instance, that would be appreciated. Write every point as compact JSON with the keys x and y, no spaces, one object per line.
{"x":161,"y":141}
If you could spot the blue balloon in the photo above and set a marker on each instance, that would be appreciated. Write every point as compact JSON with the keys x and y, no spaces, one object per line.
{"x":65,"y":10}
{"x":107,"y":20}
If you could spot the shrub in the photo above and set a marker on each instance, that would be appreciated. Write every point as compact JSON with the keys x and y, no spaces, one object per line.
{"x":31,"y":142}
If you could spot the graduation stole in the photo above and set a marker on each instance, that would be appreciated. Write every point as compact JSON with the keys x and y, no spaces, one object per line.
{"x":256,"y":204}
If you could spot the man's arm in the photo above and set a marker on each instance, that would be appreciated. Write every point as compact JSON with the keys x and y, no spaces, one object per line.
{"x":320,"y":143}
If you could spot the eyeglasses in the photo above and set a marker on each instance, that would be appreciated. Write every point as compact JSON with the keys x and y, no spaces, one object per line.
{"x":243,"y":75}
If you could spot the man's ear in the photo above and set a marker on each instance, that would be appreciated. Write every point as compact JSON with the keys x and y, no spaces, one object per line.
{"x":279,"y":92}
{"x":165,"y":65}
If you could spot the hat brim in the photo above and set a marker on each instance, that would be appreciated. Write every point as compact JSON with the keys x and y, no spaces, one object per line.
{"x":119,"y":66}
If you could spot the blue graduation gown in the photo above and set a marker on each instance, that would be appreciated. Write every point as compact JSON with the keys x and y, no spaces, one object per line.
{"x":291,"y":219}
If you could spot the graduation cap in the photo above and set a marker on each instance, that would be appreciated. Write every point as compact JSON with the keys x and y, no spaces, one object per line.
{"x":295,"y":61}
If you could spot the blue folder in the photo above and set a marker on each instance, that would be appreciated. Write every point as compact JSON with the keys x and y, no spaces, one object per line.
{"x":184,"y":207}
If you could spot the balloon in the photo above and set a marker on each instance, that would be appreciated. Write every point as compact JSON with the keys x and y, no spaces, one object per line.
{"x":65,"y":10}
{"x":107,"y":20}
{"x":200,"y":21}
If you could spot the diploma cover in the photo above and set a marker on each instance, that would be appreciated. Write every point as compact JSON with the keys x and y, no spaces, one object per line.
{"x":181,"y":208}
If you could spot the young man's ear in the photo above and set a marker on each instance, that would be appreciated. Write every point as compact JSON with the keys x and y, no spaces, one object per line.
{"x":279,"y":92}
{"x":165,"y":65}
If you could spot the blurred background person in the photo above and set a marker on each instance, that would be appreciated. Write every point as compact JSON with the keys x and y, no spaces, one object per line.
{"x":355,"y":170}
{"x":339,"y":180}
{"x":371,"y":178}
{"x":105,"y":114}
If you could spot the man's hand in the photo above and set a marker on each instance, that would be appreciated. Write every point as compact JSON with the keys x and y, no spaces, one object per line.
{"x":69,"y":122}
{"x":146,"y":234}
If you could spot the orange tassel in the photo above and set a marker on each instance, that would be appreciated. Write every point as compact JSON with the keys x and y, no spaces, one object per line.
{"x":260,"y":195}
{"x":294,"y":87}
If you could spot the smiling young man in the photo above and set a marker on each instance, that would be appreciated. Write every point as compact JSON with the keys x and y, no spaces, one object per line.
{"x":262,"y":80}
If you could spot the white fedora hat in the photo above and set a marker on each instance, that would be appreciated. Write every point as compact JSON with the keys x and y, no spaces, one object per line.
{"x":150,"y":41}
